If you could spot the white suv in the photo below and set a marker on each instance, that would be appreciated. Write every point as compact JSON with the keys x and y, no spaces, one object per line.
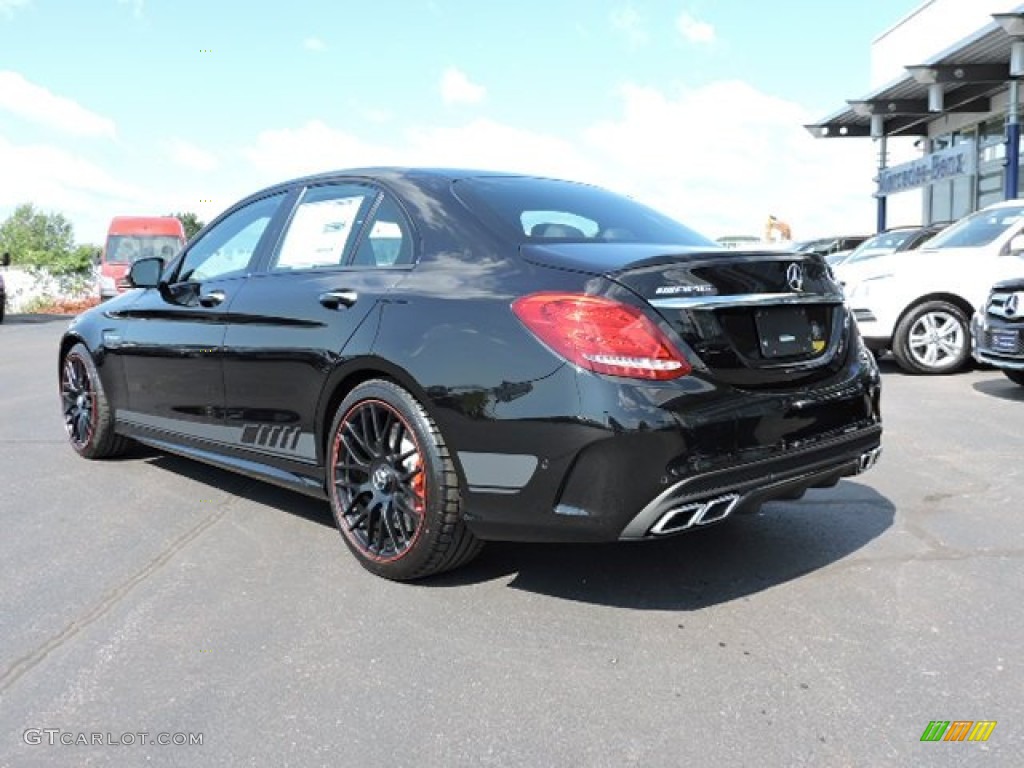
{"x":919,"y":303}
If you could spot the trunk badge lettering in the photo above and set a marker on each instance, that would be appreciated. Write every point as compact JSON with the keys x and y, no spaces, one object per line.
{"x":662,"y":290}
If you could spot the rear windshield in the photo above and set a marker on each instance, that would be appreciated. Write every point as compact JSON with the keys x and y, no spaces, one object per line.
{"x":124,"y":249}
{"x":980,"y":228}
{"x":546,"y":210}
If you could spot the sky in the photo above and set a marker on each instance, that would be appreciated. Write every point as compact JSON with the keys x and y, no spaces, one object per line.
{"x":696,"y":107}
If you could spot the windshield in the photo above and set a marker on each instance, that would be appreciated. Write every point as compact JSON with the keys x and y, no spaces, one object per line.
{"x":547,"y":209}
{"x":879,"y":245}
{"x":979,"y":228}
{"x":124,"y":249}
{"x":822,"y":244}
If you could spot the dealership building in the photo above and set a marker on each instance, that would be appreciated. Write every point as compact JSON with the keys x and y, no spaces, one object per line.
{"x":944,"y":110}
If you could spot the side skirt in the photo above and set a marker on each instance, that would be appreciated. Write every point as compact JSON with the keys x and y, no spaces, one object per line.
{"x":310,"y":486}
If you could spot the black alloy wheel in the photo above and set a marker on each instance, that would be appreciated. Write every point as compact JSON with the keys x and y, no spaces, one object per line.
{"x":88,"y":417}
{"x":379,"y":480}
{"x":78,"y":402}
{"x":392,"y":486}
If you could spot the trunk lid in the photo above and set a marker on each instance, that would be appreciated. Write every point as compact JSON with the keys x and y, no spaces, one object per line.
{"x":755,"y":319}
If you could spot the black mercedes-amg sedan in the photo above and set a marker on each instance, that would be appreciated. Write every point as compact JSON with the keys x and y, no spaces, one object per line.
{"x":449,"y":357}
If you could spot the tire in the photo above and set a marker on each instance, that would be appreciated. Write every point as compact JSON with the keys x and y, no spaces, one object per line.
{"x":933,"y":338}
{"x":1017,"y":377}
{"x":88,"y":416}
{"x":393,"y":487}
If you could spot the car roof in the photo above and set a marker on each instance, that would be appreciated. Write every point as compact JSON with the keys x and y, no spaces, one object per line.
{"x":1014,"y":203}
{"x":397,"y":172}
{"x":392,"y":174}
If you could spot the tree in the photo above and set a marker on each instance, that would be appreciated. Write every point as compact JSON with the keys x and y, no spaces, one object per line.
{"x":190,"y":222}
{"x":41,"y":240}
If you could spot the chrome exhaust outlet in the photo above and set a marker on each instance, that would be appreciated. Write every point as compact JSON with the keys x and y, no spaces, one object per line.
{"x":697,"y":513}
{"x":868,"y":459}
{"x":718,"y":509}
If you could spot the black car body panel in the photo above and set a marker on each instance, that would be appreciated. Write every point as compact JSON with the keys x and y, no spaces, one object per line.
{"x":247,"y":370}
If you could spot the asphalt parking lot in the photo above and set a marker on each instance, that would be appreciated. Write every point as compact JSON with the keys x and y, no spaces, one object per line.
{"x":154,"y":595}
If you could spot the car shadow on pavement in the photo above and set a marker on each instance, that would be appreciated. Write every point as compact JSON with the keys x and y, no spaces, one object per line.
{"x":1001,"y":387}
{"x":239,"y":486}
{"x":695,"y":570}
{"x":717,"y":564}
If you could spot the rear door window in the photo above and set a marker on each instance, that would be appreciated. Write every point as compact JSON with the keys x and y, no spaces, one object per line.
{"x":324,"y":227}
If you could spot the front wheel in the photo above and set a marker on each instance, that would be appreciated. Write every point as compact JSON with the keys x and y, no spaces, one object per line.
{"x":1017,"y":377}
{"x":933,"y":338}
{"x":393,"y":486}
{"x":88,"y":416}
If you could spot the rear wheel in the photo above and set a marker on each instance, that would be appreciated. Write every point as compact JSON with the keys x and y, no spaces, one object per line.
{"x":1017,"y":377}
{"x":393,"y":487}
{"x":933,"y":338}
{"x":88,"y":417}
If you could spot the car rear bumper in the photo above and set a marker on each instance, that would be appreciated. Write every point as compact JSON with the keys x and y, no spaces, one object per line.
{"x":658,"y":466}
{"x":704,"y":499}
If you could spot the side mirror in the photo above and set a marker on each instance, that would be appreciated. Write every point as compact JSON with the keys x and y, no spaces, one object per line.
{"x":145,"y":273}
{"x":6,"y":260}
{"x":1017,"y":244}
{"x":97,"y":257}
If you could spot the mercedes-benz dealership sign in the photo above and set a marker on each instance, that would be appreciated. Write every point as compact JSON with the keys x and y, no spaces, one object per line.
{"x":937,"y":166}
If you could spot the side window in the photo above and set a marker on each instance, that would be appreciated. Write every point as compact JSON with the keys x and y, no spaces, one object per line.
{"x":388,"y":239}
{"x":228,"y":248}
{"x":557,"y":224}
{"x":324,"y":222}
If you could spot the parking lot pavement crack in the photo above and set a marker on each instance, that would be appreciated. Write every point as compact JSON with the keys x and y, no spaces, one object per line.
{"x":27,"y":662}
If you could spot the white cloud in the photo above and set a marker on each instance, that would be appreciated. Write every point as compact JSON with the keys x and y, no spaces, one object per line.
{"x":55,"y":179}
{"x":375,"y":114}
{"x":722,"y":176}
{"x":314,"y":44}
{"x":457,"y":88}
{"x":282,"y":153}
{"x":726,"y":174}
{"x":719,"y":158}
{"x":135,"y":5}
{"x":694,"y":30}
{"x":628,"y":21}
{"x":190,"y":156}
{"x":486,"y":144}
{"x":36,"y":103}
{"x":7,"y":7}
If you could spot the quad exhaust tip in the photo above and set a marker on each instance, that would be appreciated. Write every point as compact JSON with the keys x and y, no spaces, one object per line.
{"x":697,"y":513}
{"x":868,"y":459}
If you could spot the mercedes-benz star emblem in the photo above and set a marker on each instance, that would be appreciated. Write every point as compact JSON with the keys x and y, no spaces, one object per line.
{"x":795,"y":277}
{"x":381,"y":477}
{"x":1010,"y":307}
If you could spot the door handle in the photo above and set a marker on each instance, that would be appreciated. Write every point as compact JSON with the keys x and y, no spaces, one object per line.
{"x":338,"y":299}
{"x":212,"y":299}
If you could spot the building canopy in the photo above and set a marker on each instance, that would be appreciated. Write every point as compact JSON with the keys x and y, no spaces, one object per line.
{"x":962,"y":78}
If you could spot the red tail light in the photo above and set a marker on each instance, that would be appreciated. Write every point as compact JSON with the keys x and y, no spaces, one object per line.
{"x":601,"y":335}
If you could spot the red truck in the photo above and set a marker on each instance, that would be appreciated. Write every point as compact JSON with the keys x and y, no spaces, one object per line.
{"x":136,"y":237}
